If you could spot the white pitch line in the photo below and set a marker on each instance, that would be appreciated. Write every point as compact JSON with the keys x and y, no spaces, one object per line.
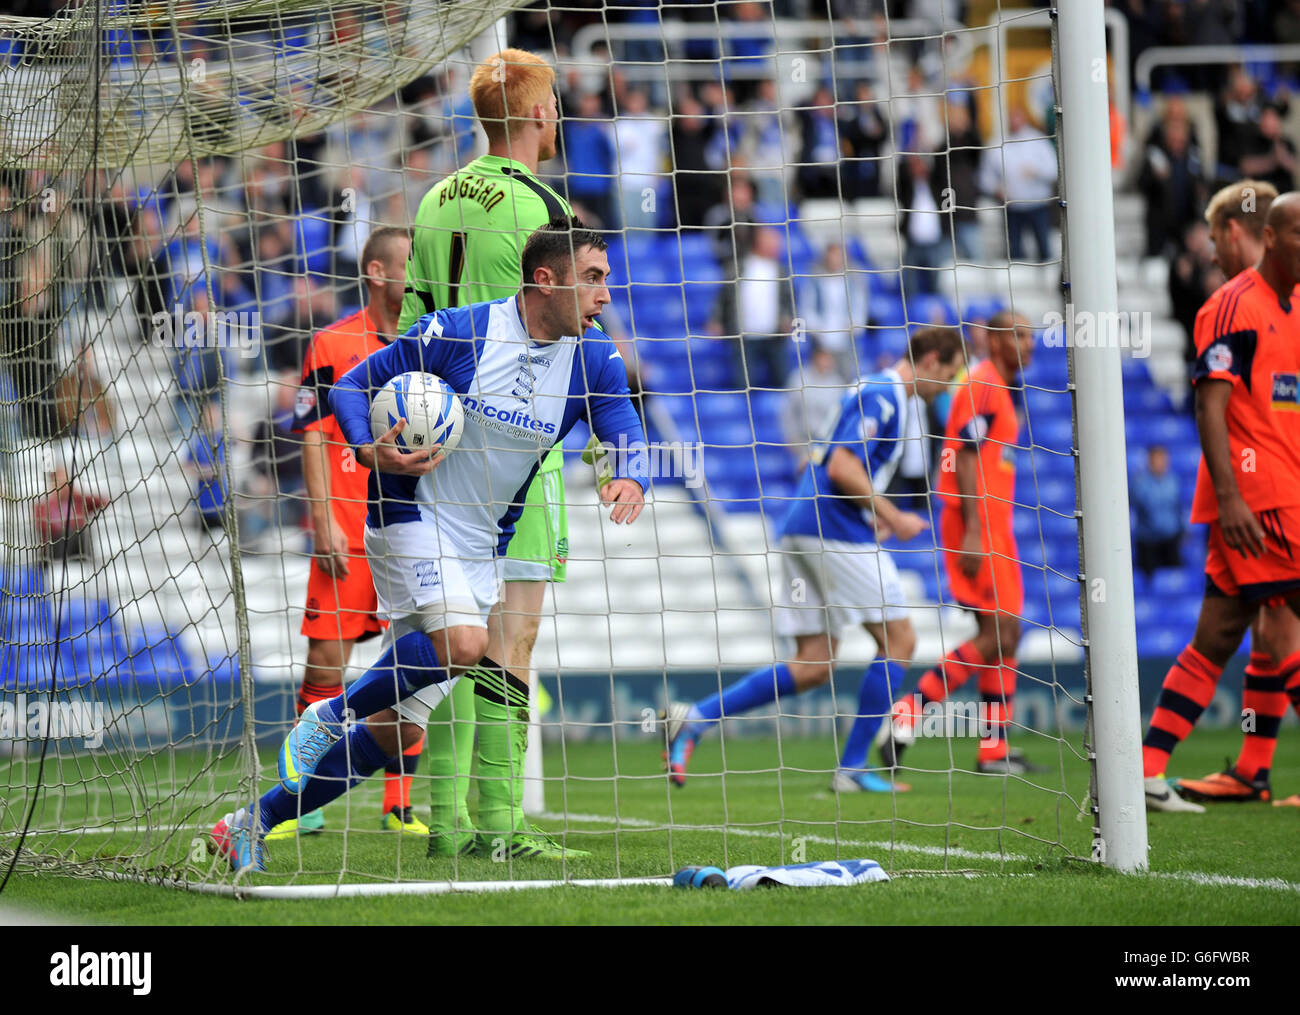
{"x":760,"y":833}
{"x":1225,"y":880}
{"x":1191,"y":877}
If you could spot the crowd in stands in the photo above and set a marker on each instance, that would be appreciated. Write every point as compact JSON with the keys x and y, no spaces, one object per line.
{"x":730,"y":158}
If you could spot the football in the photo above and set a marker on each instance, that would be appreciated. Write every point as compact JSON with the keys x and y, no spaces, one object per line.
{"x":432,"y":410}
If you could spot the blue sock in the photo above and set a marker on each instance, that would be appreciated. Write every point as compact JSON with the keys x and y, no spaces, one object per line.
{"x":880,"y":685}
{"x":355,"y":757}
{"x":760,"y":687}
{"x":410,"y":663}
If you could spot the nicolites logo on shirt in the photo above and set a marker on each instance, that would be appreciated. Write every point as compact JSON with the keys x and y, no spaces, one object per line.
{"x":511,"y":417}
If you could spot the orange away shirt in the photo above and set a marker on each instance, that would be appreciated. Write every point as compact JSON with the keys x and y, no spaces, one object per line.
{"x":332,"y":353}
{"x":983,"y":415}
{"x":1246,"y":337}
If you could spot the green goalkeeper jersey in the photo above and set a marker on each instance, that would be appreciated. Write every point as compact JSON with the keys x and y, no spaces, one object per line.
{"x":469,"y":236}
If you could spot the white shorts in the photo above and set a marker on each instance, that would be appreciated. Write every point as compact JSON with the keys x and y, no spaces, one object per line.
{"x":417,"y":572}
{"x":828,"y":585}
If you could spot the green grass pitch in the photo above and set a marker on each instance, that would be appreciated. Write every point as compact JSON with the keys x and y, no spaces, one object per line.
{"x":962,"y":848}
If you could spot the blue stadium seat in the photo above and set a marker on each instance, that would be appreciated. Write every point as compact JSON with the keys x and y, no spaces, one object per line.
{"x":886,"y":310}
{"x":767,"y":407}
{"x":856,"y":254}
{"x":930,"y":308}
{"x":729,"y":433}
{"x":156,"y":655}
{"x":1184,"y":457}
{"x":802,"y":255}
{"x":702,"y":269}
{"x":1049,"y":368}
{"x":980,"y":309}
{"x":887,"y":343}
{"x":1040,"y":402}
{"x":312,"y":244}
{"x":1059,"y":529}
{"x":1160,"y":641}
{"x":1053,"y":466}
{"x":1172,"y":584}
{"x":1135,"y":372}
{"x":22,"y":581}
{"x":618,"y":298}
{"x":711,"y":375}
{"x":885,"y":283}
{"x":657,"y":311}
{"x":90,"y":646}
{"x":681,"y":409}
{"x":1146,"y":400}
{"x":701,"y":305}
{"x":774,"y":462}
{"x":1168,"y":430}
{"x":696,"y":246}
{"x":1053,"y":432}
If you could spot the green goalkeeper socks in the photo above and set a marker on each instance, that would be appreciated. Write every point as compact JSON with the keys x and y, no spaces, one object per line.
{"x":450,"y":755}
{"x":502,"y":743}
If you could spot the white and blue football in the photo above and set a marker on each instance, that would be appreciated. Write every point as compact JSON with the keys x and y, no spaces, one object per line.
{"x":431,"y":408}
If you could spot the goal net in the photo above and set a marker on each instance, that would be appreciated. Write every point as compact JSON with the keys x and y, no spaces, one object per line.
{"x":789,"y":192}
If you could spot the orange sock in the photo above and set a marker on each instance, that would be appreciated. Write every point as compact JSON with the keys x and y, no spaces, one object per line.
{"x":957,"y":667}
{"x":1188,"y":688}
{"x":904,"y":714}
{"x":309,"y":694}
{"x":397,"y":777}
{"x":997,"y":689}
{"x":1263,"y":703}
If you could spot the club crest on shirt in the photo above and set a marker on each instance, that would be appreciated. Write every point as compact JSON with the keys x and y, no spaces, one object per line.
{"x":305,"y":402}
{"x":1218,"y":357}
{"x":1286,"y":392}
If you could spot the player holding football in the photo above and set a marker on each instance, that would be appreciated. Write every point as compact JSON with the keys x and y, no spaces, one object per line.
{"x":435,"y":538}
{"x":1248,"y":415}
{"x":977,"y":481}
{"x":836,"y":574}
{"x":469,"y":231}
{"x":341,"y":600}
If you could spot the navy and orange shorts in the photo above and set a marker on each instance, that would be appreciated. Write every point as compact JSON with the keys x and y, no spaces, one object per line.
{"x":997,"y":586}
{"x":1273,"y":577}
{"x":342,"y":609}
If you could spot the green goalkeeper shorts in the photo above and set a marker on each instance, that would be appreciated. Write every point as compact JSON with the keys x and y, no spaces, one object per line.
{"x":539,"y":549}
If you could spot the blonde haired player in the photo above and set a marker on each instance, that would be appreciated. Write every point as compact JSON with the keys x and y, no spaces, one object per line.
{"x":469,"y":233}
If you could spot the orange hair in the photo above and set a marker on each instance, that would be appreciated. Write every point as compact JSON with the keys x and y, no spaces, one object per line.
{"x":505,"y":86}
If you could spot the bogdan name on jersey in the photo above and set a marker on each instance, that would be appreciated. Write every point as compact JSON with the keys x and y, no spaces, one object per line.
{"x":511,"y":417}
{"x":476,"y":188}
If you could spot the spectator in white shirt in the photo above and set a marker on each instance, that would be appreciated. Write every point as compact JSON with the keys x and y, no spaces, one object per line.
{"x":642,"y":151}
{"x":1022,"y":172}
{"x":814,"y":391}
{"x":835,"y":305}
{"x":764,"y":308}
